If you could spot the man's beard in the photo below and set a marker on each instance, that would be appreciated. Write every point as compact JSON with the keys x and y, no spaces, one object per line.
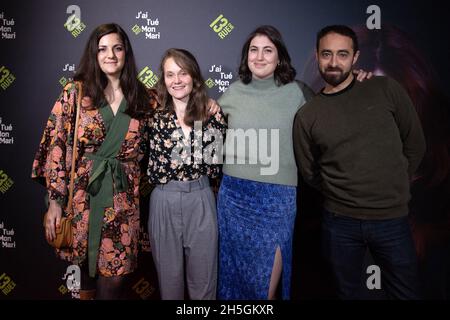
{"x":334,"y":79}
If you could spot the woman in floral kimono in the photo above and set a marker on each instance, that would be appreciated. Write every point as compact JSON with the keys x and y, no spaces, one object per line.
{"x":111,"y":142}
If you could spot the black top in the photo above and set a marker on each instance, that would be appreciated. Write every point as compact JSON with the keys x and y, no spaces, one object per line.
{"x":172,"y":157}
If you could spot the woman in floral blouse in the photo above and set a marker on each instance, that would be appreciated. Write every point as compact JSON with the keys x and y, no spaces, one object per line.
{"x":111,"y":141}
{"x":185,"y":150}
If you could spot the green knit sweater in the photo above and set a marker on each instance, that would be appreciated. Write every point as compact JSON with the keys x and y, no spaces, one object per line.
{"x":259,"y":137}
{"x":360,"y":148}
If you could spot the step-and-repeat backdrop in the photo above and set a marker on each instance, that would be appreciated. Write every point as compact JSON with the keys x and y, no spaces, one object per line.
{"x":40,"y":47}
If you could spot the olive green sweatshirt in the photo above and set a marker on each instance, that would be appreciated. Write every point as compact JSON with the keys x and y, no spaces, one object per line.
{"x":360,"y":147}
{"x":260,"y":117}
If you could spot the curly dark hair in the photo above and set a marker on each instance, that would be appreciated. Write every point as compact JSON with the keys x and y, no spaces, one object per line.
{"x":284,"y":73}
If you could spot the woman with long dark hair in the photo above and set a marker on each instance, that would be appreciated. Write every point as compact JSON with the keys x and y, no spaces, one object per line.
{"x":111,"y":141}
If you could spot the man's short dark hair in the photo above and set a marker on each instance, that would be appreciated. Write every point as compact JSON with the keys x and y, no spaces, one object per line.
{"x":339,"y":29}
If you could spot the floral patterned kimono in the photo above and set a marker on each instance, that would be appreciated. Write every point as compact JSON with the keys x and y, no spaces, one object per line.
{"x":118,"y":246}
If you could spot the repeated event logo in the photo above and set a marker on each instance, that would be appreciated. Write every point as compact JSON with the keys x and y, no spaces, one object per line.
{"x":147,"y":26}
{"x":73,"y":23}
{"x":221,"y":26}
{"x":144,"y":240}
{"x":148,"y":77}
{"x":5,"y":182}
{"x":6,"y":284}
{"x":6,"y":77}
{"x":143,"y":288}
{"x":7,"y":235}
{"x":219,"y":78}
{"x":69,"y":71}
{"x":7,"y":27}
{"x":6,"y":132}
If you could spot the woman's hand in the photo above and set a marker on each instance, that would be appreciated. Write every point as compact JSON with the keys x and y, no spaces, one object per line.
{"x":362,"y":75}
{"x":213,"y":107}
{"x":52,"y":220}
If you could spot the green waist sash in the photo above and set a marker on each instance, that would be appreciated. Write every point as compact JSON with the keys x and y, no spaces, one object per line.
{"x":107,"y":177}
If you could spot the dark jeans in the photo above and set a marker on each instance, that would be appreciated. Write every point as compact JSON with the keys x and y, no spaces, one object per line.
{"x":345,"y":241}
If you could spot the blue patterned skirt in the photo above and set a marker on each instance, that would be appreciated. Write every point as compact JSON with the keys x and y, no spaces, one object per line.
{"x":254,"y":218}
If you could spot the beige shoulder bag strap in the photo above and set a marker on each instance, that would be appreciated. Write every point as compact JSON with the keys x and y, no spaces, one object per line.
{"x":74,"y":147}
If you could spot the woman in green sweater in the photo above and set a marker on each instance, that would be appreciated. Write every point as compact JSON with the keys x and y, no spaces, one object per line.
{"x":257,"y":197}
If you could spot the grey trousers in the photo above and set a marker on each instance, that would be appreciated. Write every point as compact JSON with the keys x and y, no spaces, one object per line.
{"x":183,"y":235}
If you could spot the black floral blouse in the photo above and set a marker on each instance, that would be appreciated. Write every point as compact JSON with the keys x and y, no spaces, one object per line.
{"x":174,"y":157}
